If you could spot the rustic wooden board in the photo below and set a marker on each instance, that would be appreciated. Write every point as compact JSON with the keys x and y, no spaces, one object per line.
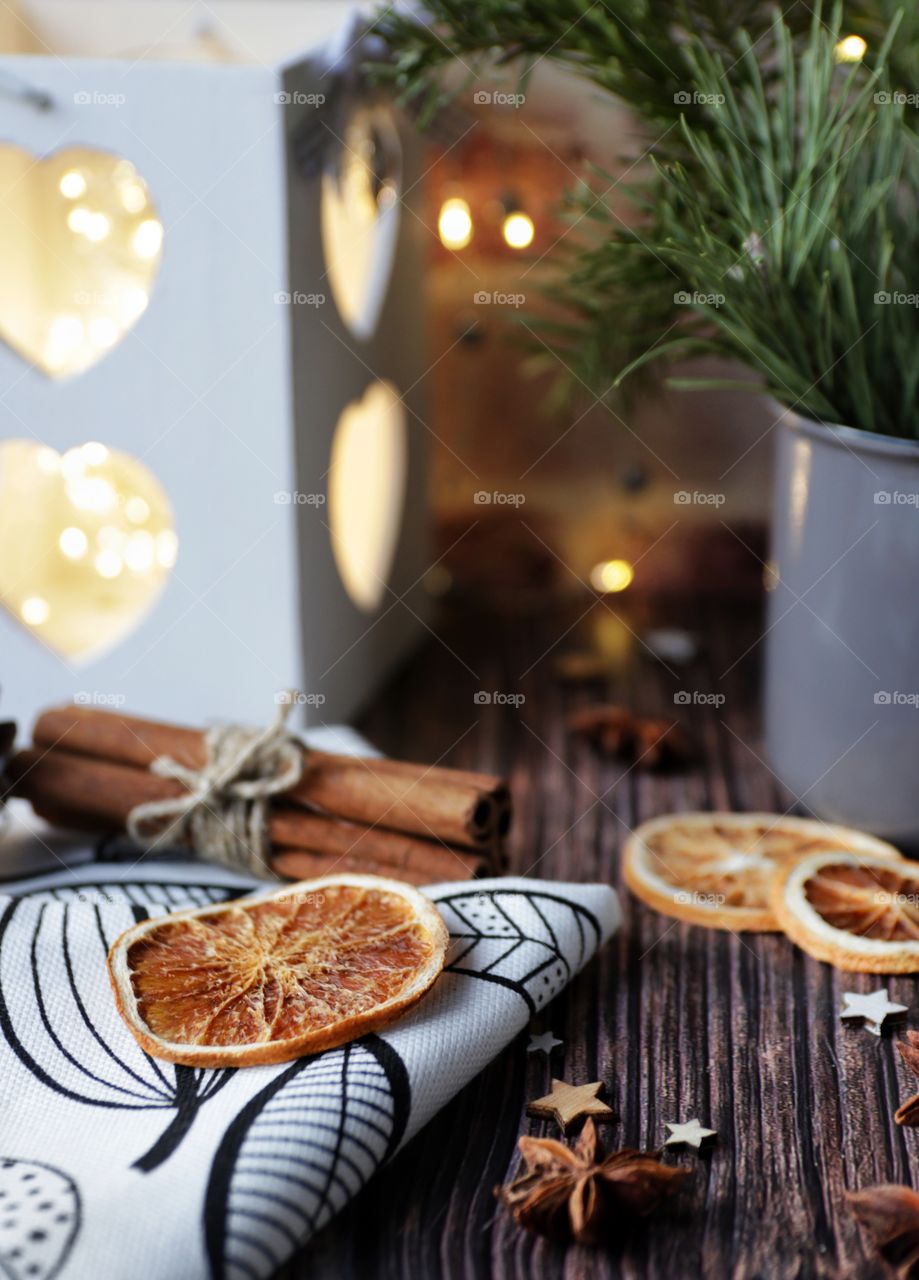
{"x":677,"y":1021}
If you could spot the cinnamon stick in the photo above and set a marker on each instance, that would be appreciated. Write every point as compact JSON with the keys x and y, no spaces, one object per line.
{"x":320,"y":834}
{"x":97,"y":789}
{"x":302,"y":864}
{"x":81,"y":792}
{"x":298,"y":864}
{"x":454,"y":806}
{"x":290,"y":864}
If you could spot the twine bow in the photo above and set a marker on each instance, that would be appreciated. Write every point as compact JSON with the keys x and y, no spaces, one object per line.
{"x":224,"y":811}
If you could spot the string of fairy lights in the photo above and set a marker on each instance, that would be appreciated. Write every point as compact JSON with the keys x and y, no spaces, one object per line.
{"x":456,"y":229}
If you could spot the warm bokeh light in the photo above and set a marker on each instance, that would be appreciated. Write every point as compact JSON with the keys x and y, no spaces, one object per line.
{"x":78,"y":219}
{"x":97,"y":227}
{"x":74,"y":543}
{"x":140,"y":551}
{"x":518,"y":230}
{"x":851,"y":49}
{"x":611,"y":575}
{"x":137,"y":510}
{"x":88,"y":222}
{"x":133,"y":196}
{"x":454,"y":224}
{"x":109,"y":564}
{"x":72,"y":184}
{"x":34,"y":611}
{"x":148,"y":238}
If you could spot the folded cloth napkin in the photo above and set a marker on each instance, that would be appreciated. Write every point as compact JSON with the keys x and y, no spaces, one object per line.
{"x":115,"y":1164}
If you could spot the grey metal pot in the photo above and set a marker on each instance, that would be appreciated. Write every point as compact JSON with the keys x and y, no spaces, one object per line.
{"x":842,"y":649}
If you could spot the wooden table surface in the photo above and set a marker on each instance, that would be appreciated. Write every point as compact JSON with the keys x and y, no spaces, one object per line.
{"x":677,"y":1021}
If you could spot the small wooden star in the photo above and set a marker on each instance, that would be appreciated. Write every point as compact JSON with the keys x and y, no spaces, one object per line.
{"x":543,"y":1044}
{"x":567,"y":1102}
{"x":874,"y":1008}
{"x":690,"y":1134}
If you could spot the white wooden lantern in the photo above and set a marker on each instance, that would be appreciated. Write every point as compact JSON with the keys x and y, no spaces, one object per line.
{"x":210,"y":361}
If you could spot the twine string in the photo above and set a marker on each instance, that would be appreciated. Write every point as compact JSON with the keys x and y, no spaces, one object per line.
{"x":223,"y":813}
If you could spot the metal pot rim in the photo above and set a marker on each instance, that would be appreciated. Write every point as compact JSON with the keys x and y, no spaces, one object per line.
{"x":852,"y":439}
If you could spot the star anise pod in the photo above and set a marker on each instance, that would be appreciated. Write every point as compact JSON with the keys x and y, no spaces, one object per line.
{"x":567,"y":1192}
{"x":891,"y":1214}
{"x":615,"y":731}
{"x":908,"y":1114}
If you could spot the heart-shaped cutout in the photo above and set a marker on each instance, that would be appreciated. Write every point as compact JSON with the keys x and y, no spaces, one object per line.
{"x":367,"y":479}
{"x":80,"y":246}
{"x":359,"y":217}
{"x":87,"y":541}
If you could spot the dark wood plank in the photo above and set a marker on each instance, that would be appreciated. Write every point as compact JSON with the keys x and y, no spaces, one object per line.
{"x":677,"y":1021}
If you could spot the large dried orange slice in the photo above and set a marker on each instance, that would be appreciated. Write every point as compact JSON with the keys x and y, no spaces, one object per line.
{"x":716,"y":868}
{"x":268,"y":979}
{"x":860,"y":914}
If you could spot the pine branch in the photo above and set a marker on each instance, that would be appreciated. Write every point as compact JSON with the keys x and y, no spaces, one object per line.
{"x":635,"y":50}
{"x":776,"y":214}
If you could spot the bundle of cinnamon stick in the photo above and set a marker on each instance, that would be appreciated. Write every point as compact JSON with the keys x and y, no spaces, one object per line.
{"x":88,"y":768}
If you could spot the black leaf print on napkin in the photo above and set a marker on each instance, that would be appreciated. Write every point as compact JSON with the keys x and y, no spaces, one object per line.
{"x":39,"y":1219}
{"x":298,"y":1151}
{"x":511,"y":937}
{"x":58,"y":1018}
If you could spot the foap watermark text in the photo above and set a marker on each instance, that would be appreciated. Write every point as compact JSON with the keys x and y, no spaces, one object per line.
{"x":696,"y":498}
{"x":487,"y":298}
{"x":896,"y":698}
{"x":696,"y":698}
{"x":497,"y":498}
{"x":294,"y":498}
{"x":296,"y":698}
{"x":683,"y":298}
{"x":895,"y":498}
{"x":99,"y":698}
{"x":498,"y":98}
{"x":494,"y":698}
{"x":297,"y":98}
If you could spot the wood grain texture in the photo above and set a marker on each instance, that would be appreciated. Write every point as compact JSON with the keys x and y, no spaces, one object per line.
{"x":677,"y":1021}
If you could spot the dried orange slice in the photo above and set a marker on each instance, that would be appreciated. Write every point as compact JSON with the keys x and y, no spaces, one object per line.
{"x":261,"y":980}
{"x":860,"y":914}
{"x":716,"y":868}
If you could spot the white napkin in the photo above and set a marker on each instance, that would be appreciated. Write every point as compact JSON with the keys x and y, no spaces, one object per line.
{"x":115,"y":1164}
